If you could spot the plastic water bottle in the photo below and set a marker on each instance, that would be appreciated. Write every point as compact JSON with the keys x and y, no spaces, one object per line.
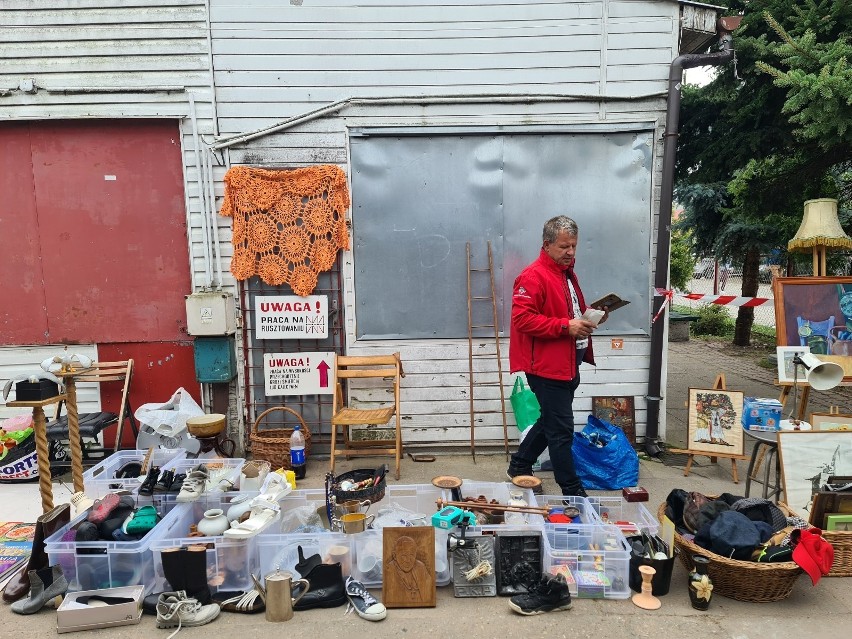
{"x":297,"y":453}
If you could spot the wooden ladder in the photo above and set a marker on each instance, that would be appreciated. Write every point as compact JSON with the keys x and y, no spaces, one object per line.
{"x":491,"y":297}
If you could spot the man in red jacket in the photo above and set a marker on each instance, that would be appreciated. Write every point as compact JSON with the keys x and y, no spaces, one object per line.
{"x":548,"y":341}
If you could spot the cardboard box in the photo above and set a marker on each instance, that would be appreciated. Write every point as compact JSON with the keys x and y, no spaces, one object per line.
{"x":761,"y":413}
{"x":73,"y":615}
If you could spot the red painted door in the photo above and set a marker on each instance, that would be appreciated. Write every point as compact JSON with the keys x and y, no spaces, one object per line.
{"x":93,"y":244}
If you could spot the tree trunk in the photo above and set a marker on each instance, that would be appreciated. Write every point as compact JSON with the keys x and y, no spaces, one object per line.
{"x":745,"y":315}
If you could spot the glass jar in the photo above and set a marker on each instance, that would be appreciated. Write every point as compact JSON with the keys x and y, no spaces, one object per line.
{"x":516,"y":499}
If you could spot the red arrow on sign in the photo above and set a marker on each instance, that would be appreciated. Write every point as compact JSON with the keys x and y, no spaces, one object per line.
{"x":323,"y":371}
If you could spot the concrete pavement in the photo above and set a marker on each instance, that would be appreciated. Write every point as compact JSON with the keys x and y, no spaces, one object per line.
{"x":821,"y":611}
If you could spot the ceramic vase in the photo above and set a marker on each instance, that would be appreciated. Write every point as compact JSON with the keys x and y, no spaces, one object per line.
{"x":214,"y":523}
{"x":699,"y":584}
{"x":516,"y":499}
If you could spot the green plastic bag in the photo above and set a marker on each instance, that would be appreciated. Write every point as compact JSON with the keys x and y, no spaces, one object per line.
{"x":524,"y":405}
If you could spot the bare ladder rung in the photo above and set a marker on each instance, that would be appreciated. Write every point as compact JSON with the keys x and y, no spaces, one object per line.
{"x":482,"y":325}
{"x":486,"y":297}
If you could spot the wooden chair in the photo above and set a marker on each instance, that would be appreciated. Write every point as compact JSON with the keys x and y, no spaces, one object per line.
{"x":382,"y":368}
{"x":92,"y":424}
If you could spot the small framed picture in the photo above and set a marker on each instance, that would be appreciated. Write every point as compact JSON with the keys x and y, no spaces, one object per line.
{"x":715,"y":421}
{"x":618,"y":411}
{"x":785,"y":363}
{"x":831,"y":421}
{"x":838,"y":522}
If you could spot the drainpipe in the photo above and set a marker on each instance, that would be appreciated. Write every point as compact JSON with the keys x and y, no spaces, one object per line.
{"x":726,"y":27}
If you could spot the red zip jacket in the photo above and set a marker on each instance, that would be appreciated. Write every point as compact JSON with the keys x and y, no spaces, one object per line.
{"x":540,"y":307}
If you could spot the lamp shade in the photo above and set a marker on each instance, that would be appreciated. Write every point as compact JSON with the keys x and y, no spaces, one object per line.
{"x":820,"y":227}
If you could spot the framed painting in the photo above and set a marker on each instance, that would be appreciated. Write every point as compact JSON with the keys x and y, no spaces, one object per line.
{"x":831,"y":421}
{"x":808,"y":458}
{"x":816,"y":312}
{"x":714,"y":422}
{"x":785,"y":356}
{"x":408,"y":576}
{"x":619,"y":411}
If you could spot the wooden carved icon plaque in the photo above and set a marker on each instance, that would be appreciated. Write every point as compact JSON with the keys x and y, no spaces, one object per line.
{"x":409,"y":567}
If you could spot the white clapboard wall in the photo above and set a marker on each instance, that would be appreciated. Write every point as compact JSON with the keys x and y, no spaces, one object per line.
{"x":597,"y":61}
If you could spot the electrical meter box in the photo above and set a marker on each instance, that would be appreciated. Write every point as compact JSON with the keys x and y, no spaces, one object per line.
{"x":211,"y":313}
{"x":215,"y":359}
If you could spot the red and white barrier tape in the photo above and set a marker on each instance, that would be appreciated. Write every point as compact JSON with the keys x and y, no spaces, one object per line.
{"x":723,"y":300}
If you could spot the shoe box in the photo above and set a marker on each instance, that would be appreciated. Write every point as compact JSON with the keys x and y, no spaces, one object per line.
{"x":104,"y":608}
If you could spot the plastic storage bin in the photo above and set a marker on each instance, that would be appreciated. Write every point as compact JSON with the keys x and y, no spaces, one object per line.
{"x":630,"y":517}
{"x":588,"y":515}
{"x":92,"y":565}
{"x":230,"y":562}
{"x":225,"y":471}
{"x":100,"y":479}
{"x":595,"y":559}
{"x":500,"y":492}
{"x":368,"y":561}
{"x":281,"y":552}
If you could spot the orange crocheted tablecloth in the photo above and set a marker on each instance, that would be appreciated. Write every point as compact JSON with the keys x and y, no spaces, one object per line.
{"x":288,"y":225}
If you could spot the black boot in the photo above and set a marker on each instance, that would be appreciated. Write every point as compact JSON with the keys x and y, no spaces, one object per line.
{"x":327,"y":588}
{"x":186,"y":569}
{"x":183,"y":569}
{"x":306,"y":565}
{"x":147,"y":487}
{"x":164,"y":483}
{"x":46,"y":525}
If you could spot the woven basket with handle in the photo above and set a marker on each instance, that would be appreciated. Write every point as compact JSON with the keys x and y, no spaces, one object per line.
{"x":741,"y":580}
{"x":273,"y":444}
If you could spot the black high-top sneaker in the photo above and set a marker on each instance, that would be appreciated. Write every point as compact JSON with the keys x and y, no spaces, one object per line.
{"x":548,"y":595}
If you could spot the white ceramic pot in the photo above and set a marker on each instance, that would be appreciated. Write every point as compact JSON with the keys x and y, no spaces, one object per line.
{"x":214,"y":523}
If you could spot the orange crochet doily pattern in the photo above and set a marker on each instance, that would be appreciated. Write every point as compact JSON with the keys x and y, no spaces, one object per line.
{"x":288,"y":225}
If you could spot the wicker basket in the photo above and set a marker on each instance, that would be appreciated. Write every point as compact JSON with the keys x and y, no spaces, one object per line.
{"x":373,"y":493}
{"x":273,"y":444}
{"x":842,"y":542}
{"x":741,"y":580}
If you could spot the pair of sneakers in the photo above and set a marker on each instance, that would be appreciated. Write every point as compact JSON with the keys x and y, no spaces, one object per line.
{"x":549,"y":594}
{"x":177,"y":609}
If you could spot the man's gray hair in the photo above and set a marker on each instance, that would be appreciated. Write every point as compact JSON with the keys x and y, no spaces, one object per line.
{"x":555,"y":225}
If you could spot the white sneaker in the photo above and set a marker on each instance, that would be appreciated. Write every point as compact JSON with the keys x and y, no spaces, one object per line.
{"x":365,"y":604}
{"x":176,"y":609}
{"x":194,"y":485}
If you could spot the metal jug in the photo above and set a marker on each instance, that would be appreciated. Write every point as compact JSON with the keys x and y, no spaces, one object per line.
{"x":279,"y":595}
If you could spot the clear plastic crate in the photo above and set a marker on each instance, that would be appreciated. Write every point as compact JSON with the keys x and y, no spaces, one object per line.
{"x":100,"y":479}
{"x":368,"y":561}
{"x":92,"y":565}
{"x":588,"y":515}
{"x":595,"y":559}
{"x":230,"y":562}
{"x":629,"y":516}
{"x":225,"y":471}
{"x":281,"y":552}
{"x":498,"y":491}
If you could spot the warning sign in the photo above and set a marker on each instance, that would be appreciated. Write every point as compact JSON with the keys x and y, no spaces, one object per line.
{"x":291,"y":317}
{"x":298,"y":373}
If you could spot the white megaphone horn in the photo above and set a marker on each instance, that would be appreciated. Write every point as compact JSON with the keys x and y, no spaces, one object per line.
{"x":820,"y":375}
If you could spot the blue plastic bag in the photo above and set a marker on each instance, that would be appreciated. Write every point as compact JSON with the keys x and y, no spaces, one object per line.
{"x":603,"y":457}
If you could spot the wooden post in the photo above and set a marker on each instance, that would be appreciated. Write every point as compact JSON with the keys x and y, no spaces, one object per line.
{"x":45,"y":486}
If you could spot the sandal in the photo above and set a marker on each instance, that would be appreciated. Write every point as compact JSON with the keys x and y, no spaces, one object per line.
{"x":249,"y":602}
{"x":262,"y":515}
{"x":143,"y":520}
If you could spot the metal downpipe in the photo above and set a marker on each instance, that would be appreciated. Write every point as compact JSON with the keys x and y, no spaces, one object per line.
{"x":661,"y":273}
